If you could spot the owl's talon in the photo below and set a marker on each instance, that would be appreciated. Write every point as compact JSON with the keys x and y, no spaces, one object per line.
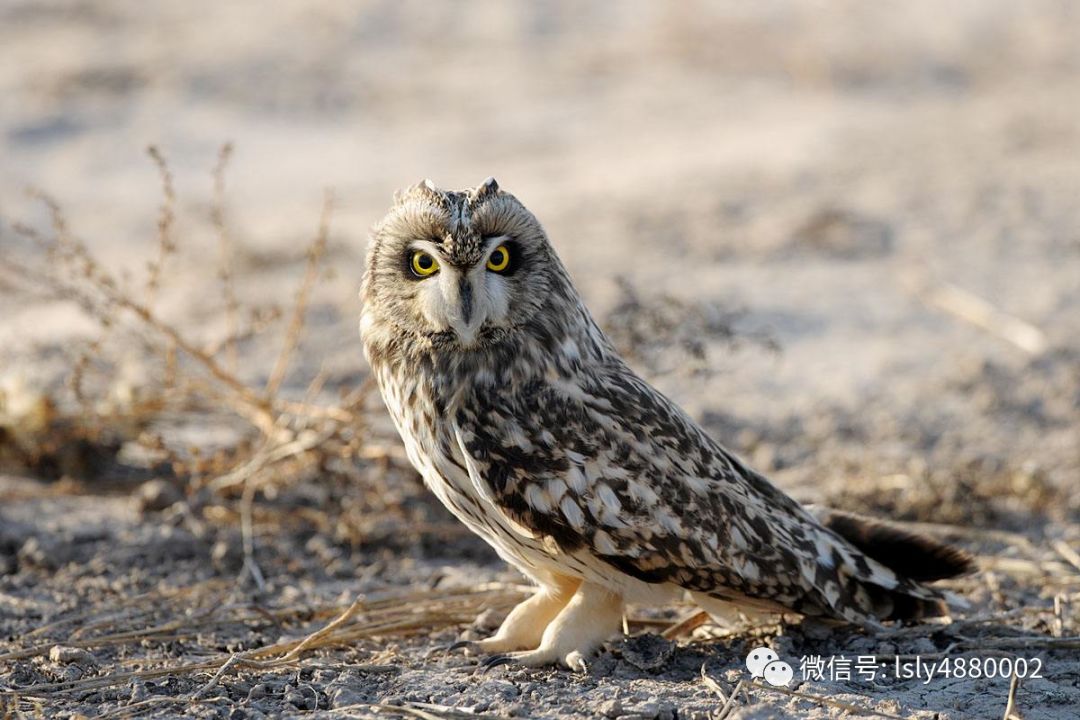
{"x":576,"y":662}
{"x":495,"y":661}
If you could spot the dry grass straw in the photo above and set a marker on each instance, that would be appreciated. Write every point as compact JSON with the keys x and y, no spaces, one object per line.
{"x":398,"y":614}
{"x":425,"y":711}
{"x":742,"y":687}
{"x":970,"y":308}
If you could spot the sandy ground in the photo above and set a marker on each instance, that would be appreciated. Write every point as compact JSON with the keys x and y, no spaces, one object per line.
{"x":782,"y":212}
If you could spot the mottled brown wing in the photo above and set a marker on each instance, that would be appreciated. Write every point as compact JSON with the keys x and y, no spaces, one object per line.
{"x":615,"y":467}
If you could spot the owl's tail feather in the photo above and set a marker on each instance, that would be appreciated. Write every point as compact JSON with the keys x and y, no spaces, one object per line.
{"x":881,"y":569}
{"x":908,"y":554}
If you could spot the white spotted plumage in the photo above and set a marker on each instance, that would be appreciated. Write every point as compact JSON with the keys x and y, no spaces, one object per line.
{"x":527,"y":425}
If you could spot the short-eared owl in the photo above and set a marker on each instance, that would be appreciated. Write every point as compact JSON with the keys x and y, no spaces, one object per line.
{"x":523,"y":419}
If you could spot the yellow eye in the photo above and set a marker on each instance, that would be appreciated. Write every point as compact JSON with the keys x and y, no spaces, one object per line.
{"x":499,"y":259}
{"x":423,"y":264}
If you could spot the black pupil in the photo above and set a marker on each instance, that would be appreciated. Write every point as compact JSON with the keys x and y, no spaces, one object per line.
{"x":423,"y":262}
{"x":497,"y":257}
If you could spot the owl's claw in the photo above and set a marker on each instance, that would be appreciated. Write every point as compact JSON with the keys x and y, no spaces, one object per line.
{"x":536,"y":658}
{"x":495,"y":661}
{"x":576,"y":662}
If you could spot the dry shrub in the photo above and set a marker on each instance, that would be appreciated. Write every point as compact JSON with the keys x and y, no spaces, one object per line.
{"x":99,"y":421}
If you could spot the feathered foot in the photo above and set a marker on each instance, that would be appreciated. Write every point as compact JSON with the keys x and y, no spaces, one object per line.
{"x":592,"y":616}
{"x":524,"y":627}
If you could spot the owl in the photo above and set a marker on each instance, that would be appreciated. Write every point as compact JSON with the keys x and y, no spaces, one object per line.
{"x":523,"y":419}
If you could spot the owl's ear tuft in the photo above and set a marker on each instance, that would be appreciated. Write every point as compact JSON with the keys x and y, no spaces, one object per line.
{"x":425,"y":188}
{"x":486,"y":189}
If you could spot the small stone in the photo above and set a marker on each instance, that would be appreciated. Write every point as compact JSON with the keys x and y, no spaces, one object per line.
{"x":502,"y":688}
{"x":300,"y":700}
{"x":612,"y":708}
{"x":45,"y":554}
{"x":71,"y":673}
{"x":227,"y":555}
{"x":649,"y":710}
{"x":324,"y":676}
{"x":63,"y":655}
{"x":139,"y":692}
{"x":156,"y":495}
{"x":648,"y":653}
{"x":342,"y":695}
{"x":258,"y":692}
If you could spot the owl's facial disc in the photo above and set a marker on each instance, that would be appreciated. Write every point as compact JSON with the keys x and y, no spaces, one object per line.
{"x":462,"y":300}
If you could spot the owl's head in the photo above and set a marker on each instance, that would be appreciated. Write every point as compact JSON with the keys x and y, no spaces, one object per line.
{"x":457,"y":268}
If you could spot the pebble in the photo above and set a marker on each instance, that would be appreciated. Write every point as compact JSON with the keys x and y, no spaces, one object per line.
{"x":343,"y":696}
{"x":650,"y":710}
{"x":45,"y":554}
{"x":63,"y":655}
{"x":156,"y":495}
{"x":648,"y":653}
{"x":324,"y":676}
{"x":612,"y":708}
{"x":499,"y":688}
{"x":71,"y":673}
{"x":139,"y":692}
{"x":300,"y":700}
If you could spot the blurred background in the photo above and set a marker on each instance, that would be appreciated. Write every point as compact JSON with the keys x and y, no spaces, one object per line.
{"x":805,"y":166}
{"x":844,"y":235}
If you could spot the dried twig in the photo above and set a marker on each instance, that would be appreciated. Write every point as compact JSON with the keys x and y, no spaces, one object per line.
{"x":296,"y":322}
{"x":729,"y":703}
{"x":247,"y":533}
{"x":225,"y":261}
{"x":1060,"y":604}
{"x":686,"y":625}
{"x":425,"y":711}
{"x":825,"y":701}
{"x":325,"y":631}
{"x":1067,"y":552}
{"x":233,"y":660}
{"x":970,"y":308}
{"x":712,"y":684}
{"x":1010,"y":705}
{"x":166,"y":218}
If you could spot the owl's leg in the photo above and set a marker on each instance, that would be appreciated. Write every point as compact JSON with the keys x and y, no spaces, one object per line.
{"x":524,"y":626}
{"x":592,"y":616}
{"x":730,"y":614}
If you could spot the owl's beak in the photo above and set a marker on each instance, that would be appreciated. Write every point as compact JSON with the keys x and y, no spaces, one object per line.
{"x":464,"y":318}
{"x":465,"y":297}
